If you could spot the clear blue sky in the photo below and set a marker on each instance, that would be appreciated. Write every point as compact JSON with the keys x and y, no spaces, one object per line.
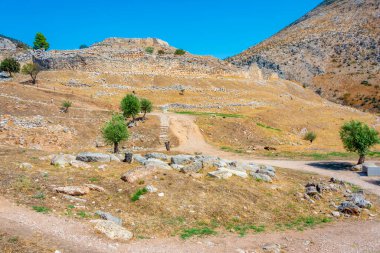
{"x":207,"y":27}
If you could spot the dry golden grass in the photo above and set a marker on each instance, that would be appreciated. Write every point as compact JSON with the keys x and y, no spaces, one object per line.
{"x":188,"y":202}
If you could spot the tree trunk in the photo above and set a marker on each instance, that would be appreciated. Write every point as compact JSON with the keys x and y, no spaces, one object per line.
{"x":116,"y":147}
{"x":361,"y":159}
{"x":10,"y":74}
{"x":144,"y":114}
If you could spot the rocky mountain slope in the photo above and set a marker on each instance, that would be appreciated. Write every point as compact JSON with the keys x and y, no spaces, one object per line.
{"x":334,"y":49}
{"x":135,"y":56}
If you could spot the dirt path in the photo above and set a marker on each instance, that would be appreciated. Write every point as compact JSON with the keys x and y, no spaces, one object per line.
{"x":72,"y":236}
{"x":191,"y":140}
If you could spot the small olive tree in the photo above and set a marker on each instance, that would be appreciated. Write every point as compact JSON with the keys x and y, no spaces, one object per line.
{"x":130,"y":105}
{"x":310,"y":136}
{"x":146,"y":106}
{"x":115,"y":131}
{"x":66,"y":105}
{"x":359,"y":138}
{"x":31,"y":69}
{"x":179,"y":52}
{"x":10,"y":65}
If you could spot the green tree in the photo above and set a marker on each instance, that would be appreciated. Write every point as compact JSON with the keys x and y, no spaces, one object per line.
{"x":66,"y":105}
{"x":130,"y":105}
{"x":10,"y":65}
{"x":359,"y":138}
{"x":31,"y":69}
{"x":146,"y":106}
{"x":180,"y":52}
{"x":310,"y":136}
{"x":83,"y":46}
{"x":115,"y":131}
{"x":40,"y":42}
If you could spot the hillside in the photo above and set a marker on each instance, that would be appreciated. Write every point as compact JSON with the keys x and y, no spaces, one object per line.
{"x":334,"y":49}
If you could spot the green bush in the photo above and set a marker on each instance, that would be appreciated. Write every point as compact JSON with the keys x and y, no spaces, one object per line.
{"x":149,"y":50}
{"x":359,"y":138}
{"x":83,"y":46}
{"x":136,"y":196}
{"x":310,"y":136}
{"x":10,"y":65}
{"x":161,"y":52}
{"x":180,"y":52}
{"x":66,"y":105}
{"x":115,"y":131}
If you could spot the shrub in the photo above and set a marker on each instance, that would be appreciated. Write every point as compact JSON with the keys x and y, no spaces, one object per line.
{"x":136,"y":196}
{"x":358,"y":137}
{"x":31,"y":69}
{"x":160,"y":52}
{"x":310,"y":136}
{"x":115,"y":131}
{"x":83,"y":46}
{"x":66,"y":105}
{"x":149,"y":50}
{"x":130,"y":105}
{"x":40,"y":42}
{"x":180,"y":52}
{"x":146,"y":106}
{"x":10,"y":65}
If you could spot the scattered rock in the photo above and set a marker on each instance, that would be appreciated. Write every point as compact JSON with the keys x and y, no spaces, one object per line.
{"x":261,"y":177}
{"x":94,"y":157}
{"x":181,"y":159}
{"x":102,"y":167}
{"x":272,"y":248}
{"x":74,"y":199}
{"x":220,"y":174}
{"x":151,"y":188}
{"x":73,"y":190}
{"x":161,"y":194}
{"x":194,"y":167}
{"x":27,"y":166}
{"x":359,"y":200}
{"x":112,"y":230}
{"x":335,"y":214}
{"x":348,"y":207}
{"x":140,"y":159}
{"x":235,"y":172}
{"x":62,"y":160}
{"x":358,"y":167}
{"x":158,"y":164}
{"x":110,"y":217}
{"x":159,"y":156}
{"x":177,"y":166}
{"x":138,"y":173}
{"x":94,"y":187}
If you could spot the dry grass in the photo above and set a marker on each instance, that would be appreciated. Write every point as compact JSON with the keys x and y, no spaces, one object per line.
{"x":16,"y":244}
{"x":189,"y":204}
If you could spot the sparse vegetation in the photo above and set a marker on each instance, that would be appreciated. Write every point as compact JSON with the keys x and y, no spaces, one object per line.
{"x":130,"y":105}
{"x":310,"y":136}
{"x":31,"y":69}
{"x":40,"y":42}
{"x":10,"y":65}
{"x":179,"y":52}
{"x":66,"y":105}
{"x":149,"y":50}
{"x":187,"y":233}
{"x":83,"y":46}
{"x":359,"y":138}
{"x":41,"y":209}
{"x":267,"y":127}
{"x":303,"y":223}
{"x":223,"y":115}
{"x":161,"y":52}
{"x":115,"y":131}
{"x":136,"y":196}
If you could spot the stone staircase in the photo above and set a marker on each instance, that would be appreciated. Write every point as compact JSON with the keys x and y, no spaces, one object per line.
{"x":164,"y":129}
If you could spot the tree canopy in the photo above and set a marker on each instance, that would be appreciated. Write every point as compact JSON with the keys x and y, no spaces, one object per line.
{"x":31,"y":69}
{"x":10,"y":65}
{"x":359,"y":138}
{"x":115,"y":131}
{"x":146,"y":106}
{"x":40,"y":42}
{"x":130,"y":105}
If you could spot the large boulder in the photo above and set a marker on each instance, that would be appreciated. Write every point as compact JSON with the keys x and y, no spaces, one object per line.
{"x":139,"y":158}
{"x":182,"y":159}
{"x":62,"y":160}
{"x":112,"y":230}
{"x":261,"y":177}
{"x":193,"y":167}
{"x":73,"y":190}
{"x":93,"y":157}
{"x":110,"y":217}
{"x":359,"y":200}
{"x":157,"y":163}
{"x":220,"y":174}
{"x":159,"y":156}
{"x":235,"y":172}
{"x":138,"y":173}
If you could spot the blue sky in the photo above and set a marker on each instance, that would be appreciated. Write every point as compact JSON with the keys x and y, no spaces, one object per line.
{"x":220,"y":28}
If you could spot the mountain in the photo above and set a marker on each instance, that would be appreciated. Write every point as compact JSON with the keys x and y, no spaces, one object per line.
{"x":7,"y":43}
{"x":334,"y":49}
